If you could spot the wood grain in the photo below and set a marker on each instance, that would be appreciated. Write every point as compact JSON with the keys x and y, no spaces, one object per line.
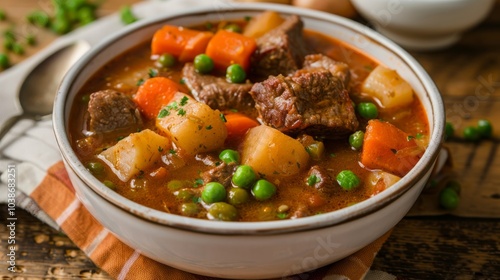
{"x":420,"y":247}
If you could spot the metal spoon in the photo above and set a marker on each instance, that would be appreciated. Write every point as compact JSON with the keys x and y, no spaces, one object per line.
{"x":37,"y":92}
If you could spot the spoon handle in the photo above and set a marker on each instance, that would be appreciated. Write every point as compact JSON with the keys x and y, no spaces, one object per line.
{"x":9,"y":123}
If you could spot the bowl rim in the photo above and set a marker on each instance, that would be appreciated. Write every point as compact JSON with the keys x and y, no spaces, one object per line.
{"x":262,"y":227}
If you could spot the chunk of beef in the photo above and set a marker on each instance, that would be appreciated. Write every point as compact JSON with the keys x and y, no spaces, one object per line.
{"x":322,"y":181}
{"x":337,"y":68}
{"x":311,"y":102}
{"x":110,"y":110}
{"x":281,"y":50}
{"x":221,"y":173}
{"x":216,"y":92}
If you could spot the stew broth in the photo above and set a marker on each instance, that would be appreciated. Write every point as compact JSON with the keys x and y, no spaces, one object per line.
{"x":167,"y":187}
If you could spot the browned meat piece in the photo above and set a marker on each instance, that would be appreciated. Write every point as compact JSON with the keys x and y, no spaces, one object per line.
{"x":221,"y":173}
{"x":320,"y":61}
{"x":321,"y":180}
{"x":311,"y":102}
{"x":216,"y":92}
{"x":110,"y":110}
{"x":281,"y":50}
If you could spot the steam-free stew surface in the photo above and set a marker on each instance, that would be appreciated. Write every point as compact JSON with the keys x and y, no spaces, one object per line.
{"x":174,"y":182}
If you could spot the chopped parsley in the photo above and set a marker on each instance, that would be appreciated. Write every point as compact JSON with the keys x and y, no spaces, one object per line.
{"x":163,"y":113}
{"x":312,"y":180}
{"x":184,"y":100}
{"x":172,"y":152}
{"x":152,"y":72}
{"x":160,"y":149}
{"x":222,"y":117}
{"x":181,"y":112}
{"x":209,"y":127}
{"x":140,"y":82}
{"x":198,"y":182}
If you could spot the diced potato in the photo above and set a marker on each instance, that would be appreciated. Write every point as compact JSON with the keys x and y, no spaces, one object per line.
{"x":262,"y":23}
{"x":388,"y":87}
{"x":193,"y":126}
{"x":271,"y":152}
{"x":381,"y":180}
{"x":134,"y":153}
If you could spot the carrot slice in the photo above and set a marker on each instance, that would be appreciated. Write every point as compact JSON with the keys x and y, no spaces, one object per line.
{"x":237,"y":125}
{"x":389,"y":148}
{"x":226,"y":48}
{"x":154,"y":94}
{"x":181,"y":42}
{"x":195,"y":46}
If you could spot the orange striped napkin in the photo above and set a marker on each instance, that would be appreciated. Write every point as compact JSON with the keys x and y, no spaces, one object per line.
{"x":42,"y":179}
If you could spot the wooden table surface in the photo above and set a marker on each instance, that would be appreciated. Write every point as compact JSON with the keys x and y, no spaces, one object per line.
{"x":421,"y":247}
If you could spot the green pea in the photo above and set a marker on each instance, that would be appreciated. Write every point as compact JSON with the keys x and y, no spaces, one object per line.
{"x":96,"y":168}
{"x":60,"y":26}
{"x":367,"y":110}
{"x":8,"y":44}
{"x":184,"y":195}
{"x":449,"y":130}
{"x":348,"y":180}
{"x":74,"y":5}
{"x":356,"y":139}
{"x":233,"y":27}
{"x":190,"y":209}
{"x":448,"y":198}
{"x":454,"y":185}
{"x":484,"y":128}
{"x":175,"y":185}
{"x":244,"y":176}
{"x":237,"y":196}
{"x":203,"y":64}
{"x":213,"y":192}
{"x":223,"y":212}
{"x":86,"y":98}
{"x":235,"y":74}
{"x":39,"y":18}
{"x":109,"y":184}
{"x":471,"y":134}
{"x":4,"y":61}
{"x":166,"y":60}
{"x":263,"y":190}
{"x":18,"y":48}
{"x":31,"y":40}
{"x":86,"y":15}
{"x":229,"y":156}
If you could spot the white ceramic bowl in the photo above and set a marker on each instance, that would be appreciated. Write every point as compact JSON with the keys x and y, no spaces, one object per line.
{"x":424,"y":24}
{"x":247,"y":250}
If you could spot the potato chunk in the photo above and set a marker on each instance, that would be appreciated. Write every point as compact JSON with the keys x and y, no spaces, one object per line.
{"x":135,"y":153}
{"x":388,"y":87}
{"x":262,"y":23}
{"x":271,"y":152}
{"x":193,"y":126}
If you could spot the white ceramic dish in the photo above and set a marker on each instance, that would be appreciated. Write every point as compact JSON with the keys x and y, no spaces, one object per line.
{"x":252,"y":249}
{"x":424,"y":24}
